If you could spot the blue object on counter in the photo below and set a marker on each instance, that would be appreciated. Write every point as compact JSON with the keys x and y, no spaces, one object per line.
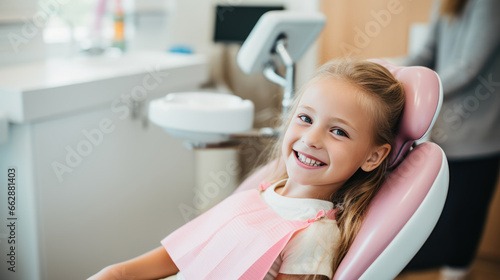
{"x":181,"y":49}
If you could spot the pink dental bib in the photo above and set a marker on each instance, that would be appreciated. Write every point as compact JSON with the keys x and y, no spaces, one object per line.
{"x":239,"y":238}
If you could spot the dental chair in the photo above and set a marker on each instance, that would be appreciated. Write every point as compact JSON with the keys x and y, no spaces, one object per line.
{"x":405,"y":210}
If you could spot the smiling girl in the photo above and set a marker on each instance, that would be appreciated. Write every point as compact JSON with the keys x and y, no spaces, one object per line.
{"x":335,"y":149}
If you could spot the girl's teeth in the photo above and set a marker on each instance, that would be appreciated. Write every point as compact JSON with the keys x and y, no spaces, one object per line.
{"x":307,"y":160}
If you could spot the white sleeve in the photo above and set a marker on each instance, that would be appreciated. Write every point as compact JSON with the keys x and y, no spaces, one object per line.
{"x":311,"y":250}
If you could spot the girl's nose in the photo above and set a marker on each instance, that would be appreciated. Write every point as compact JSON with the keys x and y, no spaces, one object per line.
{"x":313,"y":138}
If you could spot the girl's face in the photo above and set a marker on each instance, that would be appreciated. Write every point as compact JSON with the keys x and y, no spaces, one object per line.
{"x":329,"y":138}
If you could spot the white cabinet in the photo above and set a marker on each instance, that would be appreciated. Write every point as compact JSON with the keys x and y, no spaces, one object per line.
{"x":93,"y":185}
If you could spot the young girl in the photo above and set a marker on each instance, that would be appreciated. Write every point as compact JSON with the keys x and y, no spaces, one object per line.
{"x":335,"y":149}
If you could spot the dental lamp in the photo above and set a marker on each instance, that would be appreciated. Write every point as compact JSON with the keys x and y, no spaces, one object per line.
{"x":279,"y":37}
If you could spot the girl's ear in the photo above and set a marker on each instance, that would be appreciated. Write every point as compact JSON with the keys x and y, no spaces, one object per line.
{"x":376,"y":157}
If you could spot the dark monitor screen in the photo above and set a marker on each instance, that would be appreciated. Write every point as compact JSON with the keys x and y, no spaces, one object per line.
{"x":234,"y":23}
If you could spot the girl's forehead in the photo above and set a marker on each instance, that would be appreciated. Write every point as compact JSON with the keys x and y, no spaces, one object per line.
{"x":332,"y":89}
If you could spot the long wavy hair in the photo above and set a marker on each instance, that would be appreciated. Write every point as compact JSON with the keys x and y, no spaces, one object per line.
{"x":388,"y":98}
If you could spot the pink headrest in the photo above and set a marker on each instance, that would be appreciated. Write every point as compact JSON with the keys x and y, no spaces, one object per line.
{"x":423,"y":102}
{"x":401,"y":195}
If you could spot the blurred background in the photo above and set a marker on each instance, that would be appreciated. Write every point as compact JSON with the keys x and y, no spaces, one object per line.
{"x":71,"y":63}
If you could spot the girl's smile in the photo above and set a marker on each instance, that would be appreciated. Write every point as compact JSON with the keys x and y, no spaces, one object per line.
{"x":307,"y":161}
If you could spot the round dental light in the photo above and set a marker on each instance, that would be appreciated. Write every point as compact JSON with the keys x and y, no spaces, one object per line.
{"x":203,"y":117}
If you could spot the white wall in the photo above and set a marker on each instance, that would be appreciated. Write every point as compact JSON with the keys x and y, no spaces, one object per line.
{"x":20,"y":37}
{"x":15,"y":10}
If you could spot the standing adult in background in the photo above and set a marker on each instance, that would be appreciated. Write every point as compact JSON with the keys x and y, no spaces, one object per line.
{"x":463,"y":47}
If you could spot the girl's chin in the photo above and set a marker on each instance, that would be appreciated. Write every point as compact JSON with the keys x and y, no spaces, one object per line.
{"x":302,"y":180}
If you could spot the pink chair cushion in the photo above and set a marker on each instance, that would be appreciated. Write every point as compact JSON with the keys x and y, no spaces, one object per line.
{"x":421,"y":108}
{"x":398,"y":199}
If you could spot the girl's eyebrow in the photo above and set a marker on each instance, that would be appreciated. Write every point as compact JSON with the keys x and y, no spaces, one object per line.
{"x":331,"y":119}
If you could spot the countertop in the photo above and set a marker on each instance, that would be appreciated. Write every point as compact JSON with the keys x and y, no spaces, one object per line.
{"x":37,"y":90}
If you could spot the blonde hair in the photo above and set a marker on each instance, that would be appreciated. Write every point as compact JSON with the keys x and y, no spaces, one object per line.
{"x":380,"y":87}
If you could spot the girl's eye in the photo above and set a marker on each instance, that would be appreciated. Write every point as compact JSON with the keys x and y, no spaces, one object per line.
{"x":305,"y":118}
{"x":339,"y":132}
